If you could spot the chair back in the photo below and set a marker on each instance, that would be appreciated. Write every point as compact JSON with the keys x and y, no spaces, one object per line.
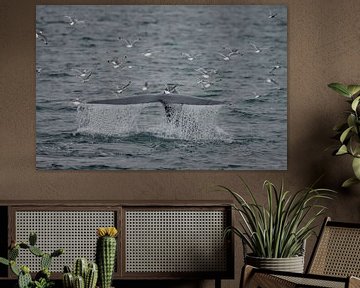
{"x":337,"y":251}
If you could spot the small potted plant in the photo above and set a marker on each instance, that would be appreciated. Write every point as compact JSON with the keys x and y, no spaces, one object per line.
{"x":42,"y":278}
{"x":348,"y":132}
{"x":275,"y":233}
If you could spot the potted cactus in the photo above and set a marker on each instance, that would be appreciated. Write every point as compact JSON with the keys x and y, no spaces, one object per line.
{"x":84,"y":275}
{"x":106,"y":254}
{"x":42,"y":278}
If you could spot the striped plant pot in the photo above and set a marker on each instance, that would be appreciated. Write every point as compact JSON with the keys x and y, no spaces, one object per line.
{"x":291,"y":264}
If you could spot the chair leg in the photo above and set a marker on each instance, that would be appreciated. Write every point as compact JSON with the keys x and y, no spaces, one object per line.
{"x":246,"y":274}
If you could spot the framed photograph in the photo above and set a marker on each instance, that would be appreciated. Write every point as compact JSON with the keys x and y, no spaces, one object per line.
{"x":154,"y":87}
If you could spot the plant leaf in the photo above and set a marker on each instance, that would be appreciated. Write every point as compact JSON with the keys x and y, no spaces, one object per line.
{"x":340,"y":88}
{"x":345,"y":134}
{"x":342,"y":150}
{"x":353,"y":89}
{"x":356,"y":167}
{"x":4,"y":261}
{"x":349,"y":182}
{"x":355,"y":103}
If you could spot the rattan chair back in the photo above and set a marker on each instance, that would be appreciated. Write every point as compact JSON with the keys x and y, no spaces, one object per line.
{"x":337,"y":252}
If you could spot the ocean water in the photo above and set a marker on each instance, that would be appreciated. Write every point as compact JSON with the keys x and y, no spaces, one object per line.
{"x":247,"y":132}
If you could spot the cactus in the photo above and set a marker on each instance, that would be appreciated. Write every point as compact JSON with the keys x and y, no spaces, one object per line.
{"x":81,"y":265}
{"x":89,"y":272}
{"x":68,"y":280}
{"x":24,"y":278}
{"x":79,"y":282}
{"x":36,"y":251}
{"x":32,"y":238}
{"x":14,"y":268}
{"x":105,"y":254}
{"x":91,"y":276}
{"x":45,"y":261}
{"x":13,"y":253}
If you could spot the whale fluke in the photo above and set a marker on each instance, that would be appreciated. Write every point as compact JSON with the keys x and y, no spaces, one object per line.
{"x":162,"y":98}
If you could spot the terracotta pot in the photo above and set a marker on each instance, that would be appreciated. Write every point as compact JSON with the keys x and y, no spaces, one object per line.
{"x":291,"y":264}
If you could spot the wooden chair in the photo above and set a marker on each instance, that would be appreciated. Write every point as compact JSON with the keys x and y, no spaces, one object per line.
{"x":334,"y":263}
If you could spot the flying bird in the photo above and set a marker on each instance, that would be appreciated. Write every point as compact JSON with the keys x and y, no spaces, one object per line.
{"x":116,"y":62}
{"x":84,"y":74}
{"x":145,"y":87}
{"x":272,"y":15}
{"x":129,"y":43}
{"x":73,"y":21}
{"x":257,"y":49}
{"x":274,"y":68}
{"x":121,"y":89}
{"x":40,"y":35}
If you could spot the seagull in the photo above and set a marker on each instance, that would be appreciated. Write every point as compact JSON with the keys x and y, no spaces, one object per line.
{"x":272,"y":81}
{"x":233,"y":51}
{"x":38,"y":70}
{"x":116,"y":62}
{"x":128,"y":43}
{"x":204,"y":83}
{"x":256,"y":95}
{"x":170,"y":89}
{"x":272,"y":15}
{"x":188,"y":56}
{"x":145,"y":87}
{"x":274,"y":68}
{"x":148,"y":53}
{"x":257,"y":49}
{"x":40,"y":35}
{"x":73,"y":21}
{"x":76,"y":102}
{"x":119,"y":89}
{"x":84,"y":74}
{"x":227,"y":56}
{"x":206,"y":73}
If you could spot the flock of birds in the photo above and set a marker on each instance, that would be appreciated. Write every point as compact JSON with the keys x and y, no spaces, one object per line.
{"x":207,"y":77}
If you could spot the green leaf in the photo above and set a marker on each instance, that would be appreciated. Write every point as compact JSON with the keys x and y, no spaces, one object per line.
{"x":351,"y":120}
{"x":340,"y":88}
{"x":342,"y":150}
{"x":4,"y":261}
{"x":355,"y":103}
{"x":349,"y":182}
{"x":14,"y":268}
{"x":353,"y":89}
{"x":345,"y":134}
{"x":356,"y":167}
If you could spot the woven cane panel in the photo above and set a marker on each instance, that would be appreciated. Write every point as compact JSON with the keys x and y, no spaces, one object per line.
{"x":175,"y":241}
{"x":338,"y":253}
{"x":74,"y":231}
{"x":308,"y":282}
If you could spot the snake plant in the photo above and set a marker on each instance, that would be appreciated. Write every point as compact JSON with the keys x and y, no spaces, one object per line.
{"x":279,"y":228}
{"x":348,"y":132}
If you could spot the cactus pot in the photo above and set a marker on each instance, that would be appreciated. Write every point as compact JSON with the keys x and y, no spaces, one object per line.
{"x":291,"y":264}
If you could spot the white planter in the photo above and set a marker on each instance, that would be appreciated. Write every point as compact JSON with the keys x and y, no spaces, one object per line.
{"x":291,"y":264}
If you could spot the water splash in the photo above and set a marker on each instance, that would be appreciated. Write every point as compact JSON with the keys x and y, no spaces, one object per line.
{"x":108,"y":120}
{"x":188,"y":122}
{"x":193,"y":123}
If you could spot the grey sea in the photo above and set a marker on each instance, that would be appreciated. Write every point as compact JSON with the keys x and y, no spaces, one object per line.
{"x":234,"y":54}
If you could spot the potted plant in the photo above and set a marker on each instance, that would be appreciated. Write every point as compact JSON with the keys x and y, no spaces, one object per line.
{"x":276,"y":233}
{"x":348,"y":132}
{"x":42,"y":278}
